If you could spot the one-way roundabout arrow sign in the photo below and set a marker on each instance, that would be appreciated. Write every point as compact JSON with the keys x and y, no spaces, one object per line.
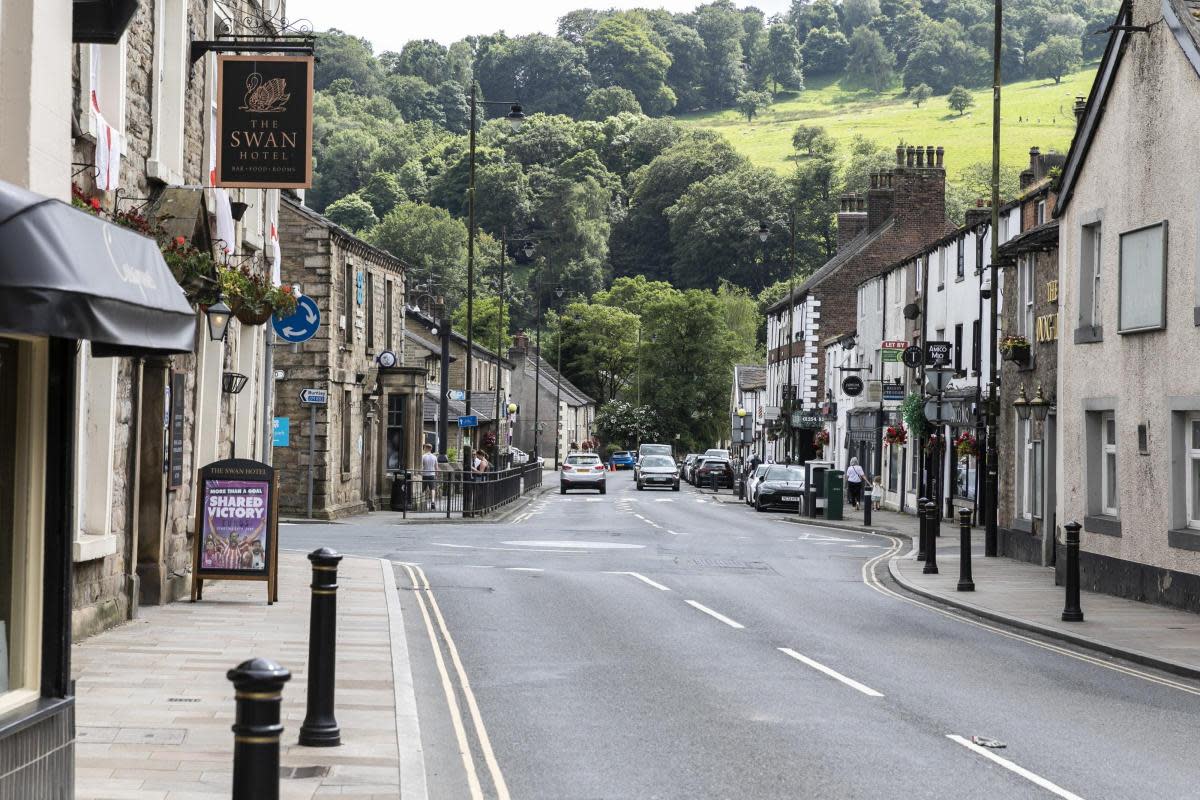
{"x":300,"y":326}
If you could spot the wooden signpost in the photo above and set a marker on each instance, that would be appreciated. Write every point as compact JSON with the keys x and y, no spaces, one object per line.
{"x":237,"y":526}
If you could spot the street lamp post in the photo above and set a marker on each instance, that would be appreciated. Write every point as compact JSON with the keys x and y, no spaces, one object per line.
{"x":516,"y":118}
{"x":990,"y":541}
{"x":558,"y":293}
{"x":527,"y":249}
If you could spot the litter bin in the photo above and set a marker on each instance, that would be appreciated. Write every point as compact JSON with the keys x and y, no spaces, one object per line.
{"x":399,"y":491}
{"x":834,"y":493}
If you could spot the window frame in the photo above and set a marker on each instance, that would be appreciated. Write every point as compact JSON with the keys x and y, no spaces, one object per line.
{"x":348,"y":289}
{"x":1161,"y":324}
{"x":347,"y":430}
{"x":961,"y":264}
{"x":1191,"y":457}
{"x":1025,"y":296}
{"x":1107,"y":449}
{"x":369,"y":309}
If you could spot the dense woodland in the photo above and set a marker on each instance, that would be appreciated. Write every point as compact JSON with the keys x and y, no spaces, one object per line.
{"x":609,"y":185}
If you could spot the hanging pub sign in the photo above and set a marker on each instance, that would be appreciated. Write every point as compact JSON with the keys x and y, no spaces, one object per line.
{"x":852,"y":385}
{"x":236,"y":526}
{"x":264,"y":121}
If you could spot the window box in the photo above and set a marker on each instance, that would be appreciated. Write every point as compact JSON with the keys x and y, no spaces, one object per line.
{"x":1017,"y":353}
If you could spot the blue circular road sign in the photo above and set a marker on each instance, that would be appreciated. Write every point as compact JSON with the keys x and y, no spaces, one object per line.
{"x":300,"y":326}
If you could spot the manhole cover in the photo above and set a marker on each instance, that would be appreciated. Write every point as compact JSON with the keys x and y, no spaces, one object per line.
{"x":302,"y":773}
{"x":728,"y":563}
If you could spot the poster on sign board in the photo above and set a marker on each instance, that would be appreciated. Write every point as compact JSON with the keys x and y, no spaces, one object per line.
{"x":236,"y":525}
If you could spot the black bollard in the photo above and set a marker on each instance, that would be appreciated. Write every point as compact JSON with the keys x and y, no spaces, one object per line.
{"x":713,"y":474}
{"x":868,"y":496}
{"x":965,"y":582}
{"x":320,"y":728}
{"x":1071,"y":611}
{"x":931,"y":521}
{"x":258,"y":692}
{"x":922,"y":535}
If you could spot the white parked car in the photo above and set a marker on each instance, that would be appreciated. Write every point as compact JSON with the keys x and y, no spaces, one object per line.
{"x":753,"y":480}
{"x":519,"y":456}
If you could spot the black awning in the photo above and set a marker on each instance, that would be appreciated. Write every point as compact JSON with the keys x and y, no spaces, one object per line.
{"x":69,"y":274}
{"x":101,"y":21}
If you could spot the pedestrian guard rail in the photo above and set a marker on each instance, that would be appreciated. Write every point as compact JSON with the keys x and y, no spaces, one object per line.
{"x":450,"y":493}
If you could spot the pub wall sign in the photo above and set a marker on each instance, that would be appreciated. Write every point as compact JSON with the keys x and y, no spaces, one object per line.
{"x":264,"y":122}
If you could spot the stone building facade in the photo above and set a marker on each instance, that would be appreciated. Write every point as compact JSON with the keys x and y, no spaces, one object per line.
{"x":1129,"y":293}
{"x":553,"y":411}
{"x":904,"y":210}
{"x":1027,"y":447}
{"x":371,"y":424}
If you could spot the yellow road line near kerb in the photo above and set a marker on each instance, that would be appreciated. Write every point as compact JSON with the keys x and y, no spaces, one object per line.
{"x":868,"y":576}
{"x":485,"y":743}
{"x":455,"y":714}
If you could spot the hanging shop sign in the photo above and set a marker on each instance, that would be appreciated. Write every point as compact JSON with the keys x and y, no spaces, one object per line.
{"x":893,"y":391}
{"x":913,"y":356}
{"x":237,"y":525}
{"x":264,"y":121}
{"x":852,"y":385}
{"x":937,"y":354}
{"x":893,"y":352}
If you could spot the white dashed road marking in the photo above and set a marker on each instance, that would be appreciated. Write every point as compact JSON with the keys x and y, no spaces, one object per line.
{"x":643,"y":579}
{"x":1008,"y":765}
{"x":853,"y":684}
{"x":714,"y":614}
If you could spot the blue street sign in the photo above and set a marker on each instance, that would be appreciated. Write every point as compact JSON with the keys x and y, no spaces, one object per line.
{"x":314,"y":397}
{"x":456,"y":394}
{"x":281,"y":430}
{"x":300,"y":326}
{"x":468,"y":422}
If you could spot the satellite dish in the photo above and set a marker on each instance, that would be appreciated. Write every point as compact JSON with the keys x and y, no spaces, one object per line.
{"x":912,"y":311}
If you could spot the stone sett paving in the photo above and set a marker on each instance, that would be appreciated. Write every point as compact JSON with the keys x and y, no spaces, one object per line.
{"x":155,"y":708}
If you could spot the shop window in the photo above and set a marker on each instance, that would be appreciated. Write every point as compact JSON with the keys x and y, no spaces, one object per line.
{"x":895,"y":464}
{"x":976,"y":345}
{"x":1023,"y":470}
{"x":958,"y":347}
{"x":1143,"y":298}
{"x":347,"y":427}
{"x":395,"y":432}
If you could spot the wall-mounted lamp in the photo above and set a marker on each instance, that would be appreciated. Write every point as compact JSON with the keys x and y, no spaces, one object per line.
{"x":238,"y":209}
{"x":218,"y":319}
{"x":1039,"y":406}
{"x":233,"y":382}
{"x":1021,"y":404}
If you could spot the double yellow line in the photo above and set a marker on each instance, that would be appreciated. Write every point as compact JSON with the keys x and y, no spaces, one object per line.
{"x":869,"y":578}
{"x":426,"y":601}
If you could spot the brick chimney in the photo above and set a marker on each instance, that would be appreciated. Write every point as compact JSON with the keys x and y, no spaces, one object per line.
{"x":520,"y":342}
{"x":1080,"y":108}
{"x":880,"y":199}
{"x":851,"y":218}
{"x":918,"y":186}
{"x":1040,"y":165}
{"x":981,"y":214}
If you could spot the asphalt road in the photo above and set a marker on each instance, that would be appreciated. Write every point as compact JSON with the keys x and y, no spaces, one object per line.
{"x":663,"y":645}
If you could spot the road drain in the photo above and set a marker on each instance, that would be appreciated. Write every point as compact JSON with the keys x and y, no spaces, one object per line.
{"x":727,"y":563}
{"x":302,"y":773}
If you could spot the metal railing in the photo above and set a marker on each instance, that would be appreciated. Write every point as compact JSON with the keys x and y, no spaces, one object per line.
{"x":452,"y":492}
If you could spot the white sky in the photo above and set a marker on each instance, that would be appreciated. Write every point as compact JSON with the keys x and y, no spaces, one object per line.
{"x":388,"y":25}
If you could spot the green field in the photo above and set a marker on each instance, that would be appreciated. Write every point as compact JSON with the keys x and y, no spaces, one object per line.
{"x":1037,"y":112}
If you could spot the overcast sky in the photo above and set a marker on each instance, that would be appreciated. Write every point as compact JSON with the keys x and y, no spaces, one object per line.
{"x":389,"y":25}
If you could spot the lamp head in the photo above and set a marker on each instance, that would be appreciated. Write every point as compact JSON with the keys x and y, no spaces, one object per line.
{"x":528,"y":249}
{"x":516,"y":117}
{"x":1021,"y":404}
{"x":1039,"y":406}
{"x":763,"y":232}
{"x":218,"y":319}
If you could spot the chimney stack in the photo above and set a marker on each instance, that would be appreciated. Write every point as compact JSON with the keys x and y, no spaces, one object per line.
{"x":1080,"y":108}
{"x":851,"y":218}
{"x":520,"y":341}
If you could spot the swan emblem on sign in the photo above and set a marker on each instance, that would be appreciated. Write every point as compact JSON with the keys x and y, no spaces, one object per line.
{"x":265,"y":98}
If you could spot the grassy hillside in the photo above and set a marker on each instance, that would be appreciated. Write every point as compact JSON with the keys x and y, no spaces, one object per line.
{"x":1037,"y":112}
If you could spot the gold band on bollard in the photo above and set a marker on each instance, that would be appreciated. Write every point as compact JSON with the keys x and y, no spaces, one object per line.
{"x":256,"y":739}
{"x":324,"y":591}
{"x":319,"y":568}
{"x":258,"y":695}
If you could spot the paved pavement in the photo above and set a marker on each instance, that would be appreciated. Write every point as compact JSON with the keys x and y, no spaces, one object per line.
{"x":664,"y":645}
{"x":154,"y":708}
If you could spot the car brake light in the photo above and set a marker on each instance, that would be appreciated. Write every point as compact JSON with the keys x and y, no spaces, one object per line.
{"x":566,"y":467}
{"x":600,"y":466}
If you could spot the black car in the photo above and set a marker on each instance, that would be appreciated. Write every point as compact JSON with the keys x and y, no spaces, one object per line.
{"x":779,"y":487}
{"x":658,"y":471}
{"x":719,"y":468}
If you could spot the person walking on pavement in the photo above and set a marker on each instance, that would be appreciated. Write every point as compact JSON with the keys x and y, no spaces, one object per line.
{"x":480,"y":464}
{"x":855,"y":478}
{"x":429,"y":469}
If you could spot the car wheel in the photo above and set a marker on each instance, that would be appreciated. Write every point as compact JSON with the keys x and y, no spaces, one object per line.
{"x":603,"y":489}
{"x":675,"y":488}
{"x":640,"y":487}
{"x":758,"y":506}
{"x":562,"y":489}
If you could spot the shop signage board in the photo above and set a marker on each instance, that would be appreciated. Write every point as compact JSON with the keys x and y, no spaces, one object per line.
{"x":893,"y":391}
{"x":937,"y":354}
{"x":808,"y":420}
{"x":237,"y":523}
{"x":175,"y":454}
{"x":301,"y":325}
{"x":771,"y":413}
{"x":893,"y":352}
{"x":852,"y":385}
{"x":264,"y":121}
{"x":913,"y":356}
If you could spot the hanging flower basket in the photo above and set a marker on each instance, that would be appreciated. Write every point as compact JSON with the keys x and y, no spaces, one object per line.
{"x":895,"y":435}
{"x":821,"y":438}
{"x":1015,"y":348}
{"x":965,"y":445}
{"x":251,"y":315}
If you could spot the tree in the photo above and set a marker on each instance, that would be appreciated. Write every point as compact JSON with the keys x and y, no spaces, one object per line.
{"x":804,"y":136}
{"x":825,"y":51}
{"x":427,"y":238}
{"x":805,"y":15}
{"x":856,"y":13}
{"x":870,"y":64}
{"x":486,"y":311}
{"x":974,"y":183}
{"x":599,"y":348}
{"x":944,"y":57}
{"x":960,"y":100}
{"x":634,"y":294}
{"x":920,"y":93}
{"x":783,"y":62}
{"x":574,"y":26}
{"x":740,"y":311}
{"x":548,"y":74}
{"x":421,"y":58}
{"x":609,"y":102}
{"x":1055,"y":57}
{"x":865,"y":157}
{"x":341,"y":55}
{"x":750,"y":103}
{"x":383,"y":192}
{"x":689,"y":57}
{"x":622,"y":51}
{"x":627,"y":425}
{"x":720,"y":26}
{"x":352,"y":212}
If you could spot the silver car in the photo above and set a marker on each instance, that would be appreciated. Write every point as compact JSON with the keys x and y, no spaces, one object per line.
{"x":658,"y":471}
{"x":582,"y":471}
{"x":753,"y":480}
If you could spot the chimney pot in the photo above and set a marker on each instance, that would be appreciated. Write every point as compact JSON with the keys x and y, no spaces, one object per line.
{"x":899,"y":155}
{"x":910,"y":155}
{"x":920,"y":157}
{"x":940,"y":152}
{"x":1080,"y":108}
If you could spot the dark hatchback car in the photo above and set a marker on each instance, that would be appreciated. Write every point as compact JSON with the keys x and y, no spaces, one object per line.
{"x":779,"y":487}
{"x":720,"y":468}
{"x":658,"y":471}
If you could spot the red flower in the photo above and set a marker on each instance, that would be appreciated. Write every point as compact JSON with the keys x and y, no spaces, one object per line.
{"x":179,"y":240}
{"x":95,"y":203}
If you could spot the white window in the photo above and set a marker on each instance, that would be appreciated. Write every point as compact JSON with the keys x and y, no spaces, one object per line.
{"x":102,"y":108}
{"x":941,"y":259}
{"x":1023,"y":467}
{"x":1089,"y":276}
{"x":1108,"y":464}
{"x":1143,"y":297}
{"x":1192,"y":432}
{"x":961,"y":264}
{"x":1040,"y":213}
{"x":169,"y":90}
{"x":1025,"y":296}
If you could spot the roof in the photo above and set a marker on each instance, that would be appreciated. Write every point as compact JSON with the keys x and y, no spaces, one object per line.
{"x":346,"y":236}
{"x":750,"y":376}
{"x":851,"y":249}
{"x":409,"y":336}
{"x":429,"y":323}
{"x":483,"y":405}
{"x":1042,"y":238}
{"x":549,"y":378}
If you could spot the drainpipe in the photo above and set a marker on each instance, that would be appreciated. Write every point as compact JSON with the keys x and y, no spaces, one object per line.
{"x":134,"y":491}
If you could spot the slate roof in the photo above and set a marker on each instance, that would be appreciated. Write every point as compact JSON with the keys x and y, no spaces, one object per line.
{"x":483,"y":405}
{"x":851,"y":249}
{"x":429,"y":323}
{"x":345,"y":235}
{"x":751,"y":376}
{"x":1043,"y":238}
{"x":549,"y":375}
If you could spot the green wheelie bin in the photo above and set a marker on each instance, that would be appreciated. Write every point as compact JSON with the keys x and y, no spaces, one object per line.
{"x":834,"y":493}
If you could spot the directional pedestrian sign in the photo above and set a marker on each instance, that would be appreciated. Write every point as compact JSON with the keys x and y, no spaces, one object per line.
{"x":456,"y":394}
{"x":468,"y":422}
{"x":300,"y":326}
{"x":314,"y":397}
